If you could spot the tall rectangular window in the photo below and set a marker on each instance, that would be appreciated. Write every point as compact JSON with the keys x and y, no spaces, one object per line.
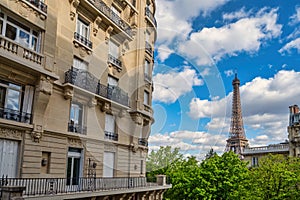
{"x":114,"y":49}
{"x":108,"y":164}
{"x":112,"y":81}
{"x":8,"y":158}
{"x":110,"y":123}
{"x":146,"y":98}
{"x":74,"y":166}
{"x":76,"y":123}
{"x":80,"y":64}
{"x":83,"y":28}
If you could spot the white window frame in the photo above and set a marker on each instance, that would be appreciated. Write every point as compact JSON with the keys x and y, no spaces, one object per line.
{"x":9,"y":156}
{"x":114,"y":49}
{"x":83,"y":26}
{"x":78,"y":112}
{"x":147,"y":67}
{"x":110,"y":123}
{"x":11,"y":87}
{"x":19,"y":30}
{"x":73,"y":155}
{"x":109,"y":164}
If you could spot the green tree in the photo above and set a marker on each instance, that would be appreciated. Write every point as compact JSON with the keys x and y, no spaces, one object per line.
{"x":276,"y":178}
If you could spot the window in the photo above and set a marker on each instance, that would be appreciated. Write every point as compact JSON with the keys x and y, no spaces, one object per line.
{"x":109,"y":123}
{"x":76,"y":118}
{"x":112,"y":81}
{"x":80,"y":64}
{"x":147,"y":37}
{"x":18,"y":32}
{"x":114,"y":49}
{"x":8,"y":158}
{"x":108,"y":164}
{"x":116,"y":14}
{"x":254,"y":161}
{"x":147,"y":71}
{"x":74,"y":166}
{"x":142,"y":167}
{"x":83,"y":28}
{"x":146,"y":98}
{"x":16,"y":101}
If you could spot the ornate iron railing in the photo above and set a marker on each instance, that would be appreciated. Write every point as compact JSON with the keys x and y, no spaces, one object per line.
{"x":111,"y":136}
{"x":143,"y":142}
{"x":148,"y":48}
{"x":87,"y":81}
{"x":52,"y":186}
{"x":105,"y":10}
{"x":15,"y":115}
{"x":113,"y":60}
{"x":83,"y":40}
{"x":77,"y":128}
{"x":38,"y":4}
{"x":149,"y":14}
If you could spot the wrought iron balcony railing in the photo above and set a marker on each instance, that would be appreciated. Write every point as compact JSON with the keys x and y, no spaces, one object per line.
{"x":11,"y":47}
{"x":114,"y":61}
{"x":148,"y":48}
{"x":149,"y":14}
{"x":143,"y":142}
{"x":111,"y":136}
{"x":76,"y":128}
{"x":53,"y":186}
{"x":38,"y":4}
{"x":105,"y":10}
{"x":83,"y":40}
{"x":87,"y":81}
{"x":15,"y":115}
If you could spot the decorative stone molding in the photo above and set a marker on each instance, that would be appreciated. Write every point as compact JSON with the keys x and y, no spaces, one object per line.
{"x":107,"y":33}
{"x":25,"y":10}
{"x":96,"y":25}
{"x":75,"y":143}
{"x":83,"y":50}
{"x":37,"y":133}
{"x":137,"y":118}
{"x":11,"y":133}
{"x":122,"y":113}
{"x":74,"y":5}
{"x":92,"y":102}
{"x":125,"y":47}
{"x":105,"y":107}
{"x":68,"y":93}
{"x":134,"y":147}
{"x":110,"y":147}
{"x":46,"y":86}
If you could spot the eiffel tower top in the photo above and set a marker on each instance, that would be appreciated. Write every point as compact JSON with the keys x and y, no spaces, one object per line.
{"x":237,"y":139}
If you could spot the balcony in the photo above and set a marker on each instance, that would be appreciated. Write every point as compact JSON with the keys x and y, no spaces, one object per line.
{"x":15,"y":115}
{"x":107,"y":12}
{"x":45,"y":188}
{"x":143,"y":142}
{"x":148,"y":48}
{"x":76,"y":128}
{"x":114,"y":61}
{"x":150,"y":16}
{"x":16,"y":52}
{"x":39,"y":5}
{"x":83,"y":40}
{"x":87,"y":81}
{"x":274,"y":148}
{"x":111,"y":136}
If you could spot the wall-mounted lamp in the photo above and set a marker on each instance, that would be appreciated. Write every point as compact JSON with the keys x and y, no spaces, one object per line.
{"x":44,"y":162}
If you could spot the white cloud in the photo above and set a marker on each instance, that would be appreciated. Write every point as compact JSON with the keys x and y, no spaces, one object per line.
{"x":180,"y":14}
{"x":296,"y":17}
{"x":265,"y":105}
{"x":170,"y":86}
{"x":228,"y":72}
{"x":294,"y":44}
{"x":163,"y":52}
{"x":236,"y":15}
{"x":189,"y":142}
{"x":244,"y":35}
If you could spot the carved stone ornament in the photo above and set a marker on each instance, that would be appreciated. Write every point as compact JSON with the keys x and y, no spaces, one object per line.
{"x":92,"y":102}
{"x":106,"y":107}
{"x":134,"y":146}
{"x":11,"y":133}
{"x":137,"y":118}
{"x":83,"y":50}
{"x":96,"y":25}
{"x":26,"y":9}
{"x":75,"y":142}
{"x":107,"y":33}
{"x":68,"y":93}
{"x":122,"y":113}
{"x":74,"y":5}
{"x":37,"y":133}
{"x":46,"y":86}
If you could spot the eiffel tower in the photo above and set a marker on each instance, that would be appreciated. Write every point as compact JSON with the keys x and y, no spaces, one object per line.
{"x":237,"y":140}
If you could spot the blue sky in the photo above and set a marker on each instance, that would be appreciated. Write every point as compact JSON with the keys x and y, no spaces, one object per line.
{"x":199,"y":47}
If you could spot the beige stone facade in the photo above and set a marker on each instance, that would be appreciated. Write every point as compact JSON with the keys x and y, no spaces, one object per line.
{"x":293,"y":130}
{"x":75,"y":91}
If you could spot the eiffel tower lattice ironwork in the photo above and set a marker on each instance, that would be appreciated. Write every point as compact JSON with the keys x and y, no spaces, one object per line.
{"x":237,"y":140}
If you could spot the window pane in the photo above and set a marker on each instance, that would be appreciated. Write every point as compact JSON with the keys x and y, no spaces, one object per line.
{"x":112,"y":81}
{"x":114,"y":49}
{"x":2,"y":96}
{"x":147,"y":68}
{"x":76,"y":168}
{"x":69,"y":170}
{"x":11,"y":32}
{"x":24,"y":39}
{"x":76,"y":113}
{"x":79,"y":64}
{"x":146,"y":98}
{"x":13,"y":97}
{"x":34,"y":44}
{"x":1,"y":27}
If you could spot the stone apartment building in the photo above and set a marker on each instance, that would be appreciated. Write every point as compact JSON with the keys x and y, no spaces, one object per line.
{"x":75,"y":98}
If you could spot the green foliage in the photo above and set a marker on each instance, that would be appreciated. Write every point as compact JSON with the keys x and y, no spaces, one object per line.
{"x":226,"y":177}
